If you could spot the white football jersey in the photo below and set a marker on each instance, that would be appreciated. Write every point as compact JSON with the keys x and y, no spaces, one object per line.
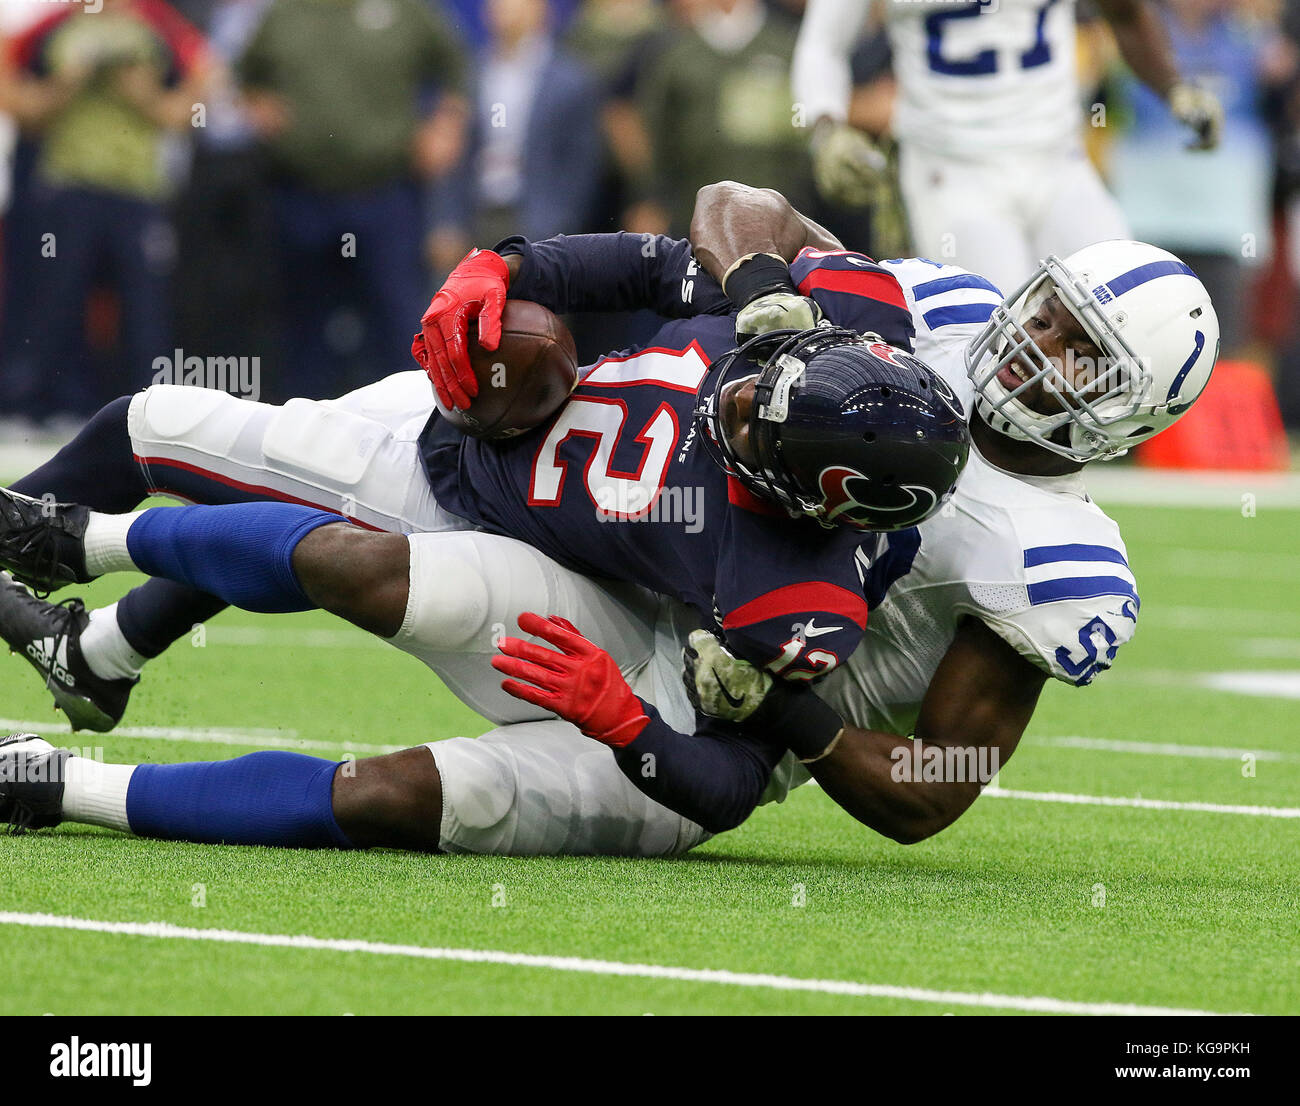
{"x":985,"y":78}
{"x":949,"y":306}
{"x":1033,"y":558}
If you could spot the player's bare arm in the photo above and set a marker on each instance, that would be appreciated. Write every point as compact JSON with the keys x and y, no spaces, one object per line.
{"x":1143,"y":42}
{"x":746,"y":237}
{"x":732,"y":220}
{"x":972,"y":716}
{"x":982,"y":697}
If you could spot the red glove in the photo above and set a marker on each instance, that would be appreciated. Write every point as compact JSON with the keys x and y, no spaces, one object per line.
{"x":581,"y":683}
{"x":475,"y":289}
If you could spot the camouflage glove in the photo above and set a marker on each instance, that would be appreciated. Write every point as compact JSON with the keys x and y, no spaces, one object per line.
{"x":1199,"y":109}
{"x":777,"y":311}
{"x":847,"y":165}
{"x":722,"y":686}
{"x":718,"y":683}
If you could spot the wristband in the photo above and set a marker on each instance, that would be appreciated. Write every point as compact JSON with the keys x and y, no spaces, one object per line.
{"x":757,"y":274}
{"x":799,"y":717}
{"x":825,"y":752}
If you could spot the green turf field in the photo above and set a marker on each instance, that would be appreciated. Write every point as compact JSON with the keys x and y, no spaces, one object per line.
{"x":1023,"y":900}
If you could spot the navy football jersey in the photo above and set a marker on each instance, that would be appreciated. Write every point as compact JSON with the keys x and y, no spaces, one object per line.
{"x":617,"y":485}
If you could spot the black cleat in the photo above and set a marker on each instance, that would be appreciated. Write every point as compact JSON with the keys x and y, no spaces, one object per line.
{"x":31,"y":783}
{"x":48,"y":636}
{"x":42,"y":542}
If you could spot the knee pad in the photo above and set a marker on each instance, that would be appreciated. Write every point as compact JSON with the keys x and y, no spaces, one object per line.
{"x":450,"y":600}
{"x":171,"y":412}
{"x":479,"y":812}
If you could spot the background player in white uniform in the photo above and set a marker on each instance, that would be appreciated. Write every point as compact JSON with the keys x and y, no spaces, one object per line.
{"x":1022,"y":579}
{"x":988,"y":121}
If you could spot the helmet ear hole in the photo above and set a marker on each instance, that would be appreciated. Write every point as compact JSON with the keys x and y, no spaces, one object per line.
{"x":888,"y":481}
{"x":869,"y":436}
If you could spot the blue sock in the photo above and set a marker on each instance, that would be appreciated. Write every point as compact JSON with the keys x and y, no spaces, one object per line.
{"x":260,"y":799}
{"x":241,"y":552}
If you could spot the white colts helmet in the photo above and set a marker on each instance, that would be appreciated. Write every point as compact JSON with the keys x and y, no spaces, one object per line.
{"x":1153,"y":322}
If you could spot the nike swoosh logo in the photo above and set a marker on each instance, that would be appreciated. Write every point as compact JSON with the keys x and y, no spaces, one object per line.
{"x":816,"y":631}
{"x":725,"y":693}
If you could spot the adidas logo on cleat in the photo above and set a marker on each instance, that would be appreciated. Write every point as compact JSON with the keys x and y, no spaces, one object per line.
{"x":53,"y":661}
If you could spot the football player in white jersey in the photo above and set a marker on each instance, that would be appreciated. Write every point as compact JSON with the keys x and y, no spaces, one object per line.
{"x":987,"y":119}
{"x":1021,"y":579}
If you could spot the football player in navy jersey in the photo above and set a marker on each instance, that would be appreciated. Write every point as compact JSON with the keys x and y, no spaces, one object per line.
{"x":793,"y":444}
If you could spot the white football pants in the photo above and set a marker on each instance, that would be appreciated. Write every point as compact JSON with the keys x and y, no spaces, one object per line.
{"x":536,"y":785}
{"x":1000,"y":217}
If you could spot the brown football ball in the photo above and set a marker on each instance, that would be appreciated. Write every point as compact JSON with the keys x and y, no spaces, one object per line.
{"x":522,"y":382}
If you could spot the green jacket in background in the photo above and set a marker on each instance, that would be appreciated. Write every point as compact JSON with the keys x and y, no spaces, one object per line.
{"x":715,"y":116}
{"x":351,"y":72}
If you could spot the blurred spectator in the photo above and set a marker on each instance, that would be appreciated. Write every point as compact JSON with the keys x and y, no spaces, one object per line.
{"x":618,"y":40}
{"x":98,"y":97}
{"x":717,"y":104}
{"x":471,"y":18}
{"x":15,"y":17}
{"x":604,"y":32}
{"x":1211,"y":208}
{"x":226,"y":290}
{"x":339,"y":91}
{"x":533,"y":160}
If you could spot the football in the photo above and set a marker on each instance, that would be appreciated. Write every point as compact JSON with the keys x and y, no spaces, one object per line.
{"x":525,"y":379}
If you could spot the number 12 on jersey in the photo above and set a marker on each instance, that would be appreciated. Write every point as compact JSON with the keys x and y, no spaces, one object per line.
{"x":599,"y":413}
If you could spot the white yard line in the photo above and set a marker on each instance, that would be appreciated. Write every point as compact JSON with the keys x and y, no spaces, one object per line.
{"x":995,"y":792}
{"x":289,"y":739}
{"x":1273,"y":648}
{"x":163,"y":930}
{"x":290,"y":638}
{"x":1267,"y":684}
{"x":1204,"y":564}
{"x":1277,"y":683}
{"x":1124,"y":484}
{"x":1164,"y":749}
{"x":251,"y":738}
{"x":1222,"y":620}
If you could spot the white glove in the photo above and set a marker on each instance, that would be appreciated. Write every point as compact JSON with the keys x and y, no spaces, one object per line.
{"x":1198,"y":108}
{"x":847,"y":166}
{"x":776,"y":311}
{"x":718,"y":683}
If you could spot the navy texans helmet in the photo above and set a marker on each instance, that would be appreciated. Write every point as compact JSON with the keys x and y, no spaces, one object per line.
{"x":845,"y":428}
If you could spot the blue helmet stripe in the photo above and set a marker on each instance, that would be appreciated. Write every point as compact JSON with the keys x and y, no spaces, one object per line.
{"x":1046,"y":554}
{"x":1126,"y":282}
{"x":949,"y":283}
{"x":1187,"y":367}
{"x":1080,"y":587}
